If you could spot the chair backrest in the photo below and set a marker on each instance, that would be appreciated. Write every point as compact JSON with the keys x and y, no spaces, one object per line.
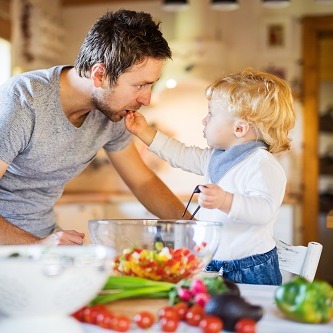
{"x":300,"y":260}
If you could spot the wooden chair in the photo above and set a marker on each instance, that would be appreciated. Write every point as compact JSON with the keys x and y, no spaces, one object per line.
{"x":299,"y":260}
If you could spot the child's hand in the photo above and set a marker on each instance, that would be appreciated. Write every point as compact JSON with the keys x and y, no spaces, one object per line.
{"x":137,"y":124}
{"x":213,"y":196}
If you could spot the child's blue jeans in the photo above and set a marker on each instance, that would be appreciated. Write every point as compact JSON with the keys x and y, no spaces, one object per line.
{"x":257,"y":269}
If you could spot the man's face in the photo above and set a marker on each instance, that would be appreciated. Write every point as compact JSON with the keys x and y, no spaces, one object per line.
{"x":131,"y":91}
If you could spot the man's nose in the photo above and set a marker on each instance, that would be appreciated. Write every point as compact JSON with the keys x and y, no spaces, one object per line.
{"x":145,"y":97}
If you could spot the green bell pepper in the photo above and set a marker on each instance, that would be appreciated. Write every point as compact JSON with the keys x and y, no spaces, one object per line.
{"x":304,"y":301}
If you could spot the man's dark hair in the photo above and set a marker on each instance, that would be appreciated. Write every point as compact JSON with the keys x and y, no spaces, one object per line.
{"x":120,"y":40}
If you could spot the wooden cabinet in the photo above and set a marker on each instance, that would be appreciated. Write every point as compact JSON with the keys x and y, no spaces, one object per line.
{"x":317,"y":76}
{"x":314,"y":29}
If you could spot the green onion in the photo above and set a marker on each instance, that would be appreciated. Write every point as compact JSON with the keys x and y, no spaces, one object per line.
{"x":124,"y":287}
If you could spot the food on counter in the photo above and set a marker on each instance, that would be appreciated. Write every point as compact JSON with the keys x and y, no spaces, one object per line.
{"x":200,"y":290}
{"x":232,"y":308}
{"x":123,"y":287}
{"x":171,"y":265}
{"x":304,"y":301}
{"x":229,"y":315}
{"x":144,"y":319}
{"x":168,"y":320}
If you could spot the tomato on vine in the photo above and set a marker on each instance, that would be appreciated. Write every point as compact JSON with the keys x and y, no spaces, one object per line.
{"x":194,"y":315}
{"x":211,"y":324}
{"x":181,"y":309}
{"x":169,"y":324}
{"x":144,"y":319}
{"x":245,"y":325}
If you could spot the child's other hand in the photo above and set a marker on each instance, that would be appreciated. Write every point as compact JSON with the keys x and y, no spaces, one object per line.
{"x":213,"y":196}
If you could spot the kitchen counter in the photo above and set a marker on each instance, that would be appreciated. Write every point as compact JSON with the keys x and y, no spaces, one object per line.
{"x":272,"y":321}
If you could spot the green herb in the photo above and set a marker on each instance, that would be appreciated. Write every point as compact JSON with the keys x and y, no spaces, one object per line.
{"x":124,"y":287}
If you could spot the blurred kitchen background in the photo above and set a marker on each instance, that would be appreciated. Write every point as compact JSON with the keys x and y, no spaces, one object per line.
{"x":292,"y":38}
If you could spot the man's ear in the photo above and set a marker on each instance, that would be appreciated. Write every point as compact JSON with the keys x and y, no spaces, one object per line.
{"x":241,"y":127}
{"x":98,"y":74}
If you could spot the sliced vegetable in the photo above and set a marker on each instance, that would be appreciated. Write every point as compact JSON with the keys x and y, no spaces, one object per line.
{"x":171,"y":265}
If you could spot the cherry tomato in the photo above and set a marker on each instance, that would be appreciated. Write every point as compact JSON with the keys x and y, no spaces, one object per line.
{"x":78,"y":315}
{"x":144,"y":319}
{"x":120,"y":323}
{"x":245,"y":325}
{"x":194,"y":315}
{"x":211,"y":324}
{"x":169,"y":324}
{"x":181,"y":309}
{"x":104,"y":319}
{"x":90,"y":313}
{"x":167,"y":312}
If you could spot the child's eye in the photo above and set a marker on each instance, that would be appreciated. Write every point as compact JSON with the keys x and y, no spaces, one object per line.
{"x":140,"y":86}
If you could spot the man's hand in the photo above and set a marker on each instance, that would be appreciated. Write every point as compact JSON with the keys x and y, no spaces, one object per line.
{"x":63,"y":237}
{"x":213,"y":196}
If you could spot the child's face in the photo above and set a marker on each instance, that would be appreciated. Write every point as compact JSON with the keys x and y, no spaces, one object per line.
{"x":219,"y":124}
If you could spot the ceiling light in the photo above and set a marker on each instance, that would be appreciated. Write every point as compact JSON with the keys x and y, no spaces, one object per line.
{"x":224,"y":4}
{"x":175,"y":5}
{"x":275,"y":3}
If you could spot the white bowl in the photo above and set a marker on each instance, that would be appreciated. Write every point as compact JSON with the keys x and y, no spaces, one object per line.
{"x":47,"y":284}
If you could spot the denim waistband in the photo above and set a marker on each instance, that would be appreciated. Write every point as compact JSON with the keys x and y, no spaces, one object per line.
{"x":239,"y":264}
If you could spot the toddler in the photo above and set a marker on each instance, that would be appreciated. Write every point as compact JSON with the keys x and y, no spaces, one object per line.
{"x":250,"y":114}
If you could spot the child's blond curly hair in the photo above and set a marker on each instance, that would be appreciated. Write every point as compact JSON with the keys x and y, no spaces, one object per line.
{"x":263,"y":100}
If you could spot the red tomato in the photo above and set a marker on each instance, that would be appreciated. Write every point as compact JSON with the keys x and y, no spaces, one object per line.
{"x":194,"y":315}
{"x":181,"y":309}
{"x":245,"y":325}
{"x":144,"y":319}
{"x":78,"y":315}
{"x":211,"y":324}
{"x":90,"y":313}
{"x":120,"y":324}
{"x":167,"y":312}
{"x":104,"y":319}
{"x":169,"y":324}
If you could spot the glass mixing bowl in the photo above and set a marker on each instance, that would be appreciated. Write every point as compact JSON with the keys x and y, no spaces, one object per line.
{"x":162,"y":250}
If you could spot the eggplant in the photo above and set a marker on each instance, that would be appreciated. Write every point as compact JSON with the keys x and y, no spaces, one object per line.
{"x":230,"y":308}
{"x":232,"y":287}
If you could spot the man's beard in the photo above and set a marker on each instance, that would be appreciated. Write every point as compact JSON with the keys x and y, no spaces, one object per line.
{"x":99,"y":105}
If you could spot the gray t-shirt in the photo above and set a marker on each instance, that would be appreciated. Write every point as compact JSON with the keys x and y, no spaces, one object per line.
{"x":43,"y":149}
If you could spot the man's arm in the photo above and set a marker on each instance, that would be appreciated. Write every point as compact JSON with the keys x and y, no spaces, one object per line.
{"x":145,"y":184}
{"x":12,"y":235}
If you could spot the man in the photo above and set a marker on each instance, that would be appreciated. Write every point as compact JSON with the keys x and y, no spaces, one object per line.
{"x":53,"y":122}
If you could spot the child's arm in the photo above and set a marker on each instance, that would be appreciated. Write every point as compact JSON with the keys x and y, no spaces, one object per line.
{"x":136,"y":123}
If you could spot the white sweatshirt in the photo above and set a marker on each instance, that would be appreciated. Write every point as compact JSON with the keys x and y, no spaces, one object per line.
{"x":258,"y":184}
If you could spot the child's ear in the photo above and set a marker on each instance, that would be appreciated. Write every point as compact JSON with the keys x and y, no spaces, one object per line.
{"x":241,"y":127}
